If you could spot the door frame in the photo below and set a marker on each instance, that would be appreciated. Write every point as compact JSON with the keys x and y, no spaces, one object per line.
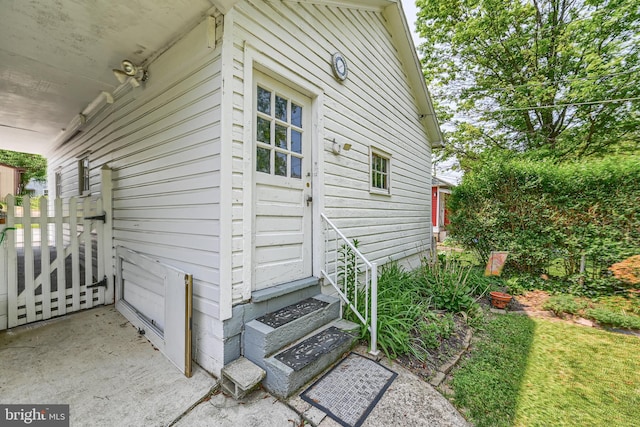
{"x":257,"y":60}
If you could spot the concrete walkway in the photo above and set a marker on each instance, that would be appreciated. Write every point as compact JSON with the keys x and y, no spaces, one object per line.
{"x":110,"y":376}
{"x":409,"y":401}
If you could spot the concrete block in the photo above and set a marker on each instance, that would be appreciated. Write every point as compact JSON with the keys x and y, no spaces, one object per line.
{"x":231,"y":348}
{"x":284,"y":289}
{"x":240,"y":377}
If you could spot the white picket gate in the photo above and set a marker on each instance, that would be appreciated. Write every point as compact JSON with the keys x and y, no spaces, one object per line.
{"x":54,"y":260}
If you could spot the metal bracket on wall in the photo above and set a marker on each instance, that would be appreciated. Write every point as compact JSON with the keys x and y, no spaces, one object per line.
{"x":101,"y":283}
{"x":102,"y":217}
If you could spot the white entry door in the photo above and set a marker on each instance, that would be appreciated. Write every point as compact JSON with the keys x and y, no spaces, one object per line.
{"x":282,"y":177}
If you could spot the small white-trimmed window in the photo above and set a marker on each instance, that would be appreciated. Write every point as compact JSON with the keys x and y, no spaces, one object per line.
{"x":83,"y":176}
{"x":380,"y":163}
{"x":58,"y":184}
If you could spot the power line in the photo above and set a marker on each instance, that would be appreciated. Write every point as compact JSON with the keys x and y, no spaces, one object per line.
{"x":567,"y":80}
{"x":540,"y":107}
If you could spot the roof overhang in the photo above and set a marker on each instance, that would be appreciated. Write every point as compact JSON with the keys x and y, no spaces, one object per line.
{"x":407,"y":50}
{"x":56,"y":57}
{"x":56,"y":60}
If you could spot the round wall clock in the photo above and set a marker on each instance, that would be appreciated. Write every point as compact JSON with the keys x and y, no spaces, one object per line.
{"x":339,"y":64}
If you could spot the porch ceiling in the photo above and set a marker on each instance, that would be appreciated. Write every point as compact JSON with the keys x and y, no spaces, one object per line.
{"x":56,"y":57}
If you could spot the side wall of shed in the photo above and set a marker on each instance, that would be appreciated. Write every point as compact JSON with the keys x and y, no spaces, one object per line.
{"x":374,"y":108}
{"x":163,"y":142}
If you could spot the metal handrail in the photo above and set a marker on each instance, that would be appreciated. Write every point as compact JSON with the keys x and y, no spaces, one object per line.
{"x":370,"y":284}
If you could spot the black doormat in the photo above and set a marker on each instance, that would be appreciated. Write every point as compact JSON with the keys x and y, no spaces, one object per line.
{"x":350,"y":390}
{"x":309,"y":350}
{"x":292,"y":312}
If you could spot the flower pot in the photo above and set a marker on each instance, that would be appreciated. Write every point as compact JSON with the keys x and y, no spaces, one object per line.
{"x":499,"y":299}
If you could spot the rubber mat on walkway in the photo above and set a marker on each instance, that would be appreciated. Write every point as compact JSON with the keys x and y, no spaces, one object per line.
{"x":349,"y":392}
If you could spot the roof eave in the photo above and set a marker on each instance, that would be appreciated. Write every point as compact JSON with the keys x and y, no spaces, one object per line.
{"x":407,"y":50}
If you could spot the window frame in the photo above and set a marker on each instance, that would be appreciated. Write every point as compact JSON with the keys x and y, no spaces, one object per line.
{"x":380,"y":154}
{"x":58,"y":183}
{"x":84,"y":176}
{"x":276,"y":122}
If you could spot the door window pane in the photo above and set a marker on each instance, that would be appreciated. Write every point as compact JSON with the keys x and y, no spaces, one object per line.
{"x":296,"y":141}
{"x":296,"y":167}
{"x":281,"y":109}
{"x":263,"y":163}
{"x":264,"y":100}
{"x":263,"y":133}
{"x":296,"y":115}
{"x":281,"y":137}
{"x":281,"y":164}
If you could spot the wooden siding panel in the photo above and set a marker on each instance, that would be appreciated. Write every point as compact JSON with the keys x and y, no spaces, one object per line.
{"x":163,"y":142}
{"x":374,"y":107}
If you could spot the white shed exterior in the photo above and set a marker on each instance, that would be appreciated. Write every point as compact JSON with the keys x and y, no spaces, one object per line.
{"x":182,"y":146}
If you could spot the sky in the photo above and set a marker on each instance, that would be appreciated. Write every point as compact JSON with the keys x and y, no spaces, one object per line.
{"x":410,"y":11}
{"x":443,"y":170}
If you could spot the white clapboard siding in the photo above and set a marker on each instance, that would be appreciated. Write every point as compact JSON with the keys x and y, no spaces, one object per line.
{"x":374,"y":107}
{"x":162,"y":142}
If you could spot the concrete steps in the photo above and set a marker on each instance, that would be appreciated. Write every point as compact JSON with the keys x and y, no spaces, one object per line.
{"x":297,"y":342}
{"x":294,"y":366}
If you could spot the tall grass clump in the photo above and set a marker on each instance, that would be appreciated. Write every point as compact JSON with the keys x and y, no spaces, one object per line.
{"x":400,"y":307}
{"x":449,"y":285}
{"x":411,"y":303}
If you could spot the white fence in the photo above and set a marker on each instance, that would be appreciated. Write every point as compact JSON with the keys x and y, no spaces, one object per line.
{"x":52,"y":259}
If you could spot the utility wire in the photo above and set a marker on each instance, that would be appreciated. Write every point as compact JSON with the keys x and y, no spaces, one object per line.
{"x":599,"y":77}
{"x":540,"y":107}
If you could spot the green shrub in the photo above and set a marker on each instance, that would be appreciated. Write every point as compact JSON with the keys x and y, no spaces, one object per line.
{"x":400,"y":307}
{"x":450,"y":286}
{"x":541,"y":211}
{"x":564,"y":303}
{"x":613,"y":318}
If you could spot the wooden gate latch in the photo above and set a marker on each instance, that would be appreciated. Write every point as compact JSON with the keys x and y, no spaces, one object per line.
{"x":101,"y":283}
{"x":102,"y":217}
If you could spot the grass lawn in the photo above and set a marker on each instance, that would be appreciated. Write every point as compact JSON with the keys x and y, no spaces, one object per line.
{"x":537,"y":372}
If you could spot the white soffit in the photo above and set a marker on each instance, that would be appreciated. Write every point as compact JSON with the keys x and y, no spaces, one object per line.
{"x":56,"y":57}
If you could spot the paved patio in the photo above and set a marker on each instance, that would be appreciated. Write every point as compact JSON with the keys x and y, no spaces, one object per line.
{"x":96,"y":362}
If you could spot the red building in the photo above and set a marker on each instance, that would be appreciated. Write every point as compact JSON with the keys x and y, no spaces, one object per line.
{"x":440,"y":191}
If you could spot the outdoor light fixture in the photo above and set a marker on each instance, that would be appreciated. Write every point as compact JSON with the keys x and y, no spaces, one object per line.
{"x":337,"y":148}
{"x":79,"y":120}
{"x":134,"y":73}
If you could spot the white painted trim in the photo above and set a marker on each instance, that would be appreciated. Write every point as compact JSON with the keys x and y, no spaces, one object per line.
{"x":318,"y":190}
{"x":372,"y":5}
{"x":247,"y":175}
{"x":258,"y":60}
{"x":388,"y":157}
{"x":106,"y":183}
{"x":226,"y":170}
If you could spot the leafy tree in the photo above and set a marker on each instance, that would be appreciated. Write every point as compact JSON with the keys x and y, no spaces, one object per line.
{"x":554,"y":77}
{"x":35,"y":165}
